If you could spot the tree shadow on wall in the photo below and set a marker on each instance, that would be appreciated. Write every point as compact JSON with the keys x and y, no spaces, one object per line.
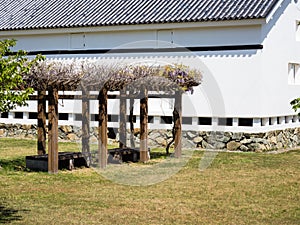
{"x":9,"y":214}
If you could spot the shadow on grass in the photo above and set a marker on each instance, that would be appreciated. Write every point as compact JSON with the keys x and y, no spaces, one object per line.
{"x":158,"y":155}
{"x":8,"y":214}
{"x":16,"y":164}
{"x":19,"y":164}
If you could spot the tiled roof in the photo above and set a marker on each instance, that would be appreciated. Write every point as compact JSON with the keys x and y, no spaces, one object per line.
{"x":40,"y":14}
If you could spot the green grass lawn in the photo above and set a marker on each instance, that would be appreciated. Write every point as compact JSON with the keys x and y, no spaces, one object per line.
{"x":238,"y":188}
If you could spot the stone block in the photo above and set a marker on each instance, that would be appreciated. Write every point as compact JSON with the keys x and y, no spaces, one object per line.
{"x":191,"y":135}
{"x":26,"y":127}
{"x":207,"y":145}
{"x":66,"y":129}
{"x":237,"y":136}
{"x":260,"y":140}
{"x":2,"y":132}
{"x":187,"y":143}
{"x":197,"y":140}
{"x":246,"y":141}
{"x":72,"y":137}
{"x":244,"y":148}
{"x":161,"y":141}
{"x":273,"y":140}
{"x":256,"y":147}
{"x":233,"y":145}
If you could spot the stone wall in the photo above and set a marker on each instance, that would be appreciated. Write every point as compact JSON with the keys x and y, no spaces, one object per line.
{"x":268,"y":141}
{"x":272,"y":140}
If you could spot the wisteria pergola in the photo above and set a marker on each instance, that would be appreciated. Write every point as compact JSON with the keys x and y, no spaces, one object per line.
{"x":131,"y":82}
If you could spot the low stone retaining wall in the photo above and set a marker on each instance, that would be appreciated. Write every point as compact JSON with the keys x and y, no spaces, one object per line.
{"x":268,"y":141}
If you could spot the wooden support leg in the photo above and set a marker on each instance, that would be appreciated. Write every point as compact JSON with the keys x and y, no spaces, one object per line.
{"x":144,"y":126}
{"x":132,"y":144}
{"x":85,"y":122}
{"x":177,"y":113}
{"x":122,"y":129}
{"x":53,"y":131}
{"x":41,"y":121}
{"x":102,"y":137}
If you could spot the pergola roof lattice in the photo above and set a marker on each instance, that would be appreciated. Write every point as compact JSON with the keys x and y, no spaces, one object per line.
{"x":69,"y":76}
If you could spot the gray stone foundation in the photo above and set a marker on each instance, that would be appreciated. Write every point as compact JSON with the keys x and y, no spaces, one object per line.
{"x":273,"y":140}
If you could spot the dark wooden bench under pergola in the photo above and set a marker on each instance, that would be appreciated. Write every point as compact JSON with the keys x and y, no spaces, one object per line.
{"x":134,"y":82}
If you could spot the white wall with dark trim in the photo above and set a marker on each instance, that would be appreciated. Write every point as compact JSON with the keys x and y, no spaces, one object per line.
{"x":246,"y":83}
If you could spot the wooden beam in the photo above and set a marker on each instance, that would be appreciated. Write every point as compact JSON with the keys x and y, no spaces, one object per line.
{"x":110,"y":96}
{"x":85,"y":121}
{"x":122,"y":124}
{"x":41,"y":122}
{"x":102,"y":129}
{"x":53,"y":131}
{"x":144,"y":125}
{"x":177,"y":113}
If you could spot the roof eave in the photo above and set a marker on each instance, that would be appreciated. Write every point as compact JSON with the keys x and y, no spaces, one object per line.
{"x":271,"y":13}
{"x":154,"y":26}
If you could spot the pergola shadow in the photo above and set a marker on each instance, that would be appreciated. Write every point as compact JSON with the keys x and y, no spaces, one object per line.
{"x":9,"y":214}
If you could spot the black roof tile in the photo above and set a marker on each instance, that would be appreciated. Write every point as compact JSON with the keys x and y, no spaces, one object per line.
{"x":41,"y":14}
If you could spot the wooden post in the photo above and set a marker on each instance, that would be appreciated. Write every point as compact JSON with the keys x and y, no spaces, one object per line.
{"x":177,"y":113}
{"x":131,"y":107}
{"x":53,"y":131}
{"x":122,"y":129}
{"x":144,"y":125}
{"x":41,"y":122}
{"x":102,"y":129}
{"x":85,"y":121}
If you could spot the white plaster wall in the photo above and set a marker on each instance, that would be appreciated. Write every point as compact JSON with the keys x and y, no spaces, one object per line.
{"x":230,"y":86}
{"x":109,"y":40}
{"x":232,"y":83}
{"x":197,"y":36}
{"x":42,"y":42}
{"x":280,"y":48}
{"x":214,"y":36}
{"x":236,"y":84}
